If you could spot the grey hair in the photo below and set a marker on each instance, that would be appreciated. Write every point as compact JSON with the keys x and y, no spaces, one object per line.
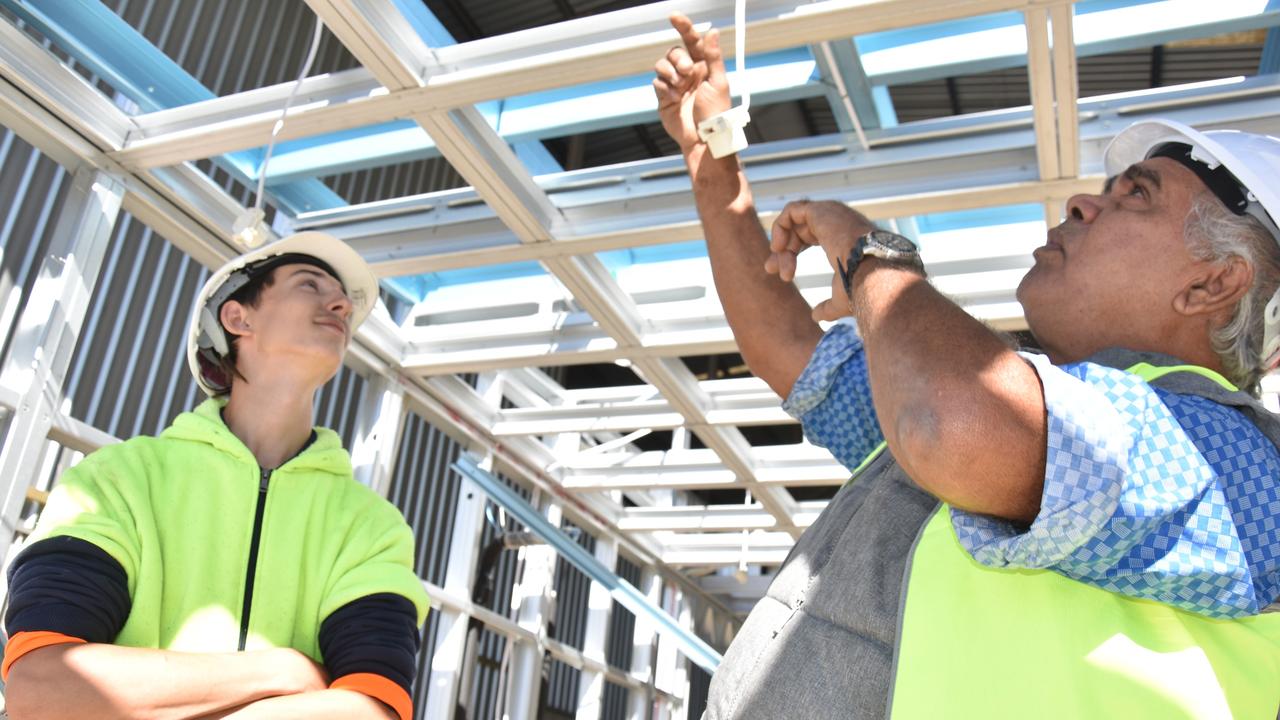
{"x":1214,"y":233}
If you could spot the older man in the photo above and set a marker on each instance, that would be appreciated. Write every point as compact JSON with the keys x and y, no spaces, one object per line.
{"x":1092,"y":532}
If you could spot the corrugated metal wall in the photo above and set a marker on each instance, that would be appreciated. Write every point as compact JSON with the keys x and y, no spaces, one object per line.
{"x":699,"y":684}
{"x":573,"y":590}
{"x":490,"y":672}
{"x":32,"y":188}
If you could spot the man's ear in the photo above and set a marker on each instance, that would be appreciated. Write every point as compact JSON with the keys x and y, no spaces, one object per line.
{"x":234,"y":318}
{"x":1216,"y":287}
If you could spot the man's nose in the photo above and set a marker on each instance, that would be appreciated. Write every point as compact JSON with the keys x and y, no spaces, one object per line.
{"x":1084,"y":207}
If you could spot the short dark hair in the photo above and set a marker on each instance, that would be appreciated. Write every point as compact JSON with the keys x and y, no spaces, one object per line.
{"x":249,"y":295}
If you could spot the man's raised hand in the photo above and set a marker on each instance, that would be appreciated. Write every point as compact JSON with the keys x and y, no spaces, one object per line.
{"x":690,"y":83}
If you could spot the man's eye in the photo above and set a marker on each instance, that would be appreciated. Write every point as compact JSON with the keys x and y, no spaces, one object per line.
{"x":1137,"y":189}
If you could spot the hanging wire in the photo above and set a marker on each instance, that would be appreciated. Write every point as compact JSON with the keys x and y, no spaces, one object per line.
{"x":275,"y":130}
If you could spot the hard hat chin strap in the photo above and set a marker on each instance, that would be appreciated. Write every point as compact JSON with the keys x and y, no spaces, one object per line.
{"x":1271,"y":334}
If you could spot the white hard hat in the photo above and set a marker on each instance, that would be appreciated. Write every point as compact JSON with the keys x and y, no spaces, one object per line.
{"x":207,"y":341}
{"x":1253,"y":164}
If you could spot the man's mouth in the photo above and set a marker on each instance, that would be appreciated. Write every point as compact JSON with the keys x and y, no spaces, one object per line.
{"x":1052,"y":242}
{"x":335,"y":325}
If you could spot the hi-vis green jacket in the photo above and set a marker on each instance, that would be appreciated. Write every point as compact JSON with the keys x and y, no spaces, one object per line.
{"x":178,"y":512}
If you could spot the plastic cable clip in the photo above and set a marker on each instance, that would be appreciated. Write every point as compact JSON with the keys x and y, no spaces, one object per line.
{"x":249,"y":230}
{"x":723,"y":133}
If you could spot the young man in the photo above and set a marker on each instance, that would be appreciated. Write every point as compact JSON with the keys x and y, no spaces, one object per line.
{"x":1086,"y":533}
{"x":231,"y":567}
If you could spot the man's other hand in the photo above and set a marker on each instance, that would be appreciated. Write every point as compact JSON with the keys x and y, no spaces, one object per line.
{"x":803,"y":224}
{"x":690,"y":83}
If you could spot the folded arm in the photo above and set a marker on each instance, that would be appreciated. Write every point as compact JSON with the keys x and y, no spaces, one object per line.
{"x":77,"y":680}
{"x":68,"y":600}
{"x":332,"y":704}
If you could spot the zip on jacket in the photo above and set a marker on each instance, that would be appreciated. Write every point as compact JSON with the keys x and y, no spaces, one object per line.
{"x":264,"y":480}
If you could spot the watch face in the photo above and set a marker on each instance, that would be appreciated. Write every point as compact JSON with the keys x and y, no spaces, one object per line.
{"x":893,"y":242}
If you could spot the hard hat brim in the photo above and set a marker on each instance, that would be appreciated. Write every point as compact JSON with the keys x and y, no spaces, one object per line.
{"x":1135,"y":142}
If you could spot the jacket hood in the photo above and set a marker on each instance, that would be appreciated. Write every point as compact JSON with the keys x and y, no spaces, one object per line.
{"x":205,"y":425}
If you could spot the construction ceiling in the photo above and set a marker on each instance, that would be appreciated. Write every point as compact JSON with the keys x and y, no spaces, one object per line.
{"x":545,"y":240}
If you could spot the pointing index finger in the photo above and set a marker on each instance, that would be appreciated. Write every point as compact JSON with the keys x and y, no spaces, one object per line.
{"x":692,"y":40}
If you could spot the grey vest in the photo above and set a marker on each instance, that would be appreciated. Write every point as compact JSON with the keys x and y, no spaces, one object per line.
{"x":822,"y":642}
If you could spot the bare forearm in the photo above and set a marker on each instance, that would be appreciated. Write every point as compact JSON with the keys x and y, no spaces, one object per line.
{"x":108,"y":681}
{"x":769,"y":318}
{"x":959,"y":409}
{"x":335,"y":704}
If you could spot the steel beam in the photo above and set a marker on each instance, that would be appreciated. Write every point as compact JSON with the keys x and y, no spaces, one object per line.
{"x":533,"y":604}
{"x":643,"y":653}
{"x":801,"y":464}
{"x":713,"y":518}
{"x":618,"y":45}
{"x":1066,"y":91}
{"x":379,"y":420}
{"x":848,"y":87}
{"x":49,"y":328}
{"x":342,"y":139}
{"x":451,"y":625}
{"x":599,"y":608}
{"x":1040,"y":76}
{"x":1270,"y":61}
{"x":698,"y":557}
{"x":1130,"y":26}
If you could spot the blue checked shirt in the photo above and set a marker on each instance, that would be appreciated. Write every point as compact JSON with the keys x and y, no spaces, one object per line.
{"x":1147,"y":493}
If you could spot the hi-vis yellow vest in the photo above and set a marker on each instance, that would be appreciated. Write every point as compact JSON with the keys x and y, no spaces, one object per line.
{"x":970,"y":632}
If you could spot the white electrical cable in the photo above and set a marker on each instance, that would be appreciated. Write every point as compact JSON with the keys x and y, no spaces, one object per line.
{"x":275,"y":130}
{"x":740,"y":52}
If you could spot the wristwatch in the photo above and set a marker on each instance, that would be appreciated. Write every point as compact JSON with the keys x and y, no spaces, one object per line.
{"x":885,"y":245}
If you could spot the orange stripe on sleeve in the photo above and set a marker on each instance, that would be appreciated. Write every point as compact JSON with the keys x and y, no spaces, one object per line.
{"x":24,"y":642}
{"x":378,"y":688}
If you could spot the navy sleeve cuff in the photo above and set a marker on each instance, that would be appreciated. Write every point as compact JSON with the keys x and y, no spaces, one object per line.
{"x":69,"y":586}
{"x":376,"y":634}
